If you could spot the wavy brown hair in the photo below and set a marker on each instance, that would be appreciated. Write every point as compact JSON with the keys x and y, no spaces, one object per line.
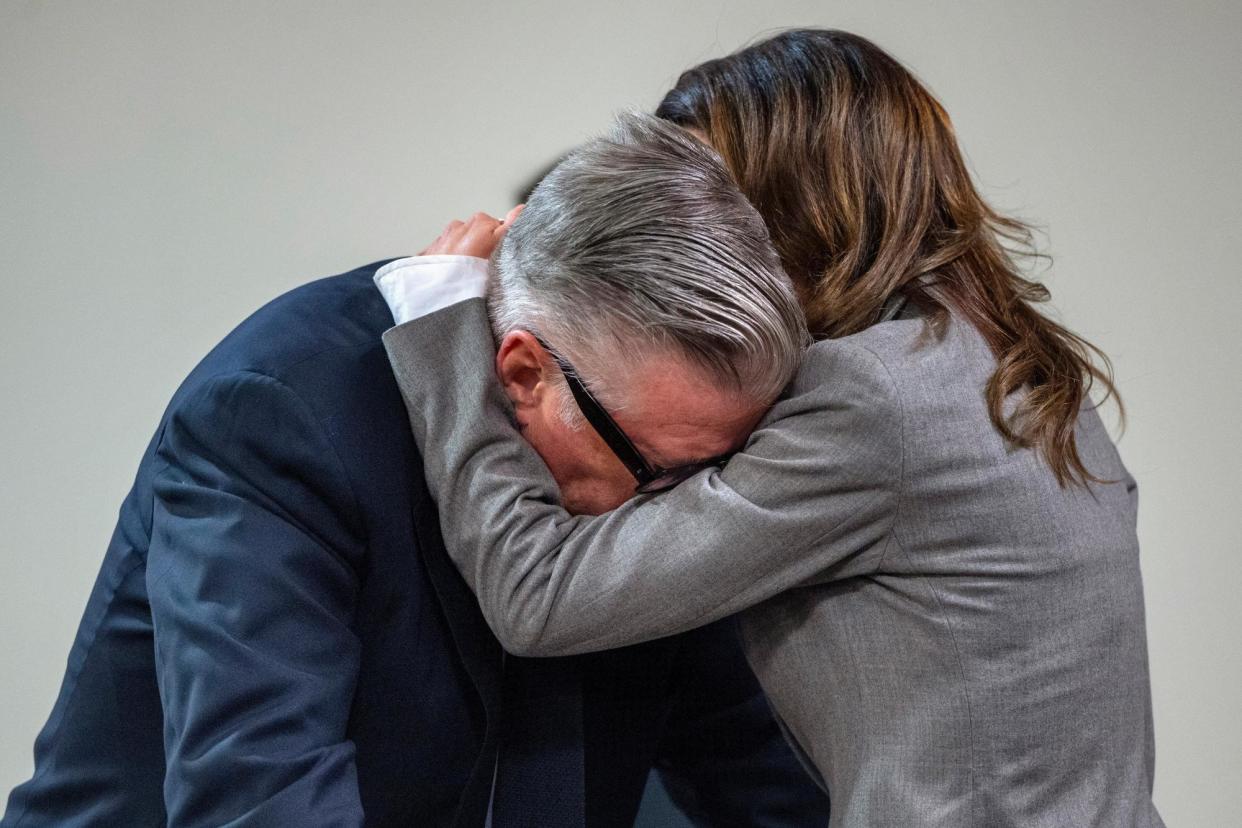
{"x":855,"y":168}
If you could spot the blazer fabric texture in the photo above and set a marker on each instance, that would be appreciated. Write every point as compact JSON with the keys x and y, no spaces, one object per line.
{"x":948,"y":636}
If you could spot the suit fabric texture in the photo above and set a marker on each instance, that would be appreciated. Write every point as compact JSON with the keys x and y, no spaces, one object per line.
{"x":949,"y":637}
{"x":277,"y":637}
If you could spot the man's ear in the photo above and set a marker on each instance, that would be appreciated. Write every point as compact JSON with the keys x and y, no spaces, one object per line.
{"x":521,"y":363}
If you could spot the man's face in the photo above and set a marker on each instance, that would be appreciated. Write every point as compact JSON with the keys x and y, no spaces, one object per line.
{"x":673,"y":415}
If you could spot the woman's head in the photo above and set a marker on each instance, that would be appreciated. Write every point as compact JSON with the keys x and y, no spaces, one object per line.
{"x":855,"y":168}
{"x":840,"y":148}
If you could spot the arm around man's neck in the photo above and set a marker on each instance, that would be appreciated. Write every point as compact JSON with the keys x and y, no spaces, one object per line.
{"x":550,"y":583}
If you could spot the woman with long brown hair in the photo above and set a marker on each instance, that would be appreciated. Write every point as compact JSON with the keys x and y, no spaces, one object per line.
{"x":931,"y":537}
{"x":855,"y":167}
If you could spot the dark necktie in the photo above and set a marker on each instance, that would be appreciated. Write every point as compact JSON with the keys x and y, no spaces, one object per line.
{"x":539,"y":773}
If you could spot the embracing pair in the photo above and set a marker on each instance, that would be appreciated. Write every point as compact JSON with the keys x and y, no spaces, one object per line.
{"x":755,"y":379}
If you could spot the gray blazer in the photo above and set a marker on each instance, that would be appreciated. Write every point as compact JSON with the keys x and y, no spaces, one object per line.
{"x":949,"y":637}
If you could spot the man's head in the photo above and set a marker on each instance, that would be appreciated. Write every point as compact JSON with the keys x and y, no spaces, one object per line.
{"x":640,"y":268}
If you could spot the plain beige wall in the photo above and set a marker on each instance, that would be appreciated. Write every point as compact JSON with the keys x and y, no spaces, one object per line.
{"x":165,"y":168}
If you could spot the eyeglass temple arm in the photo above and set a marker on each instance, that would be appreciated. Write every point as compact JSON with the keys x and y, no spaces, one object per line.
{"x":608,"y":429}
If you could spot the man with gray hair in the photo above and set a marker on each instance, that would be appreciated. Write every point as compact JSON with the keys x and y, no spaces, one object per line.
{"x":639,"y":293}
{"x":277,"y":636}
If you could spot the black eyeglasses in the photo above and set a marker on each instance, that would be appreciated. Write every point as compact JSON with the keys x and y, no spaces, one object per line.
{"x":650,"y":478}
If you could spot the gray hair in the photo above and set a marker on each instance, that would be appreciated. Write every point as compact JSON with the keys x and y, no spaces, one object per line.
{"x":638,"y":243}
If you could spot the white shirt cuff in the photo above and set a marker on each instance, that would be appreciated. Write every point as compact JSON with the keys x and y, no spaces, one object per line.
{"x":421,"y":285}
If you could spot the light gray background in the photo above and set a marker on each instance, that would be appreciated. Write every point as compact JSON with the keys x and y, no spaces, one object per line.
{"x":165,"y":168}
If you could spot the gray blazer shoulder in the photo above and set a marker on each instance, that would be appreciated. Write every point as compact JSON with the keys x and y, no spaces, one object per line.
{"x":813,"y":496}
{"x":950,"y":637}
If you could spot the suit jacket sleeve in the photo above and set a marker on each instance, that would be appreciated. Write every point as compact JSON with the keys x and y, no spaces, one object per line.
{"x":812,"y":497}
{"x":723,"y":758}
{"x":252,"y":586}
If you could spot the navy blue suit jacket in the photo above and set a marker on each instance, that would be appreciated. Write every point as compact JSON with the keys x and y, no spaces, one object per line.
{"x":277,"y":637}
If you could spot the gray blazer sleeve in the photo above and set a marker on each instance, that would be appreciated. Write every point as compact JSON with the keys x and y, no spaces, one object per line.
{"x":811,"y":498}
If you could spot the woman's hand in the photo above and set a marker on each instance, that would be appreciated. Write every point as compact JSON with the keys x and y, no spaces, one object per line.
{"x":477,"y":237}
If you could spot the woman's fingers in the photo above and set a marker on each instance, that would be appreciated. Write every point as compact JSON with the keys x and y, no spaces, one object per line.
{"x":474,"y":237}
{"x":477,"y":236}
{"x":444,"y":240}
{"x":511,"y":216}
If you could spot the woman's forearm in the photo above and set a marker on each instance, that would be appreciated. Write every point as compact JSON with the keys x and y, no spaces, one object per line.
{"x":551,"y":584}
